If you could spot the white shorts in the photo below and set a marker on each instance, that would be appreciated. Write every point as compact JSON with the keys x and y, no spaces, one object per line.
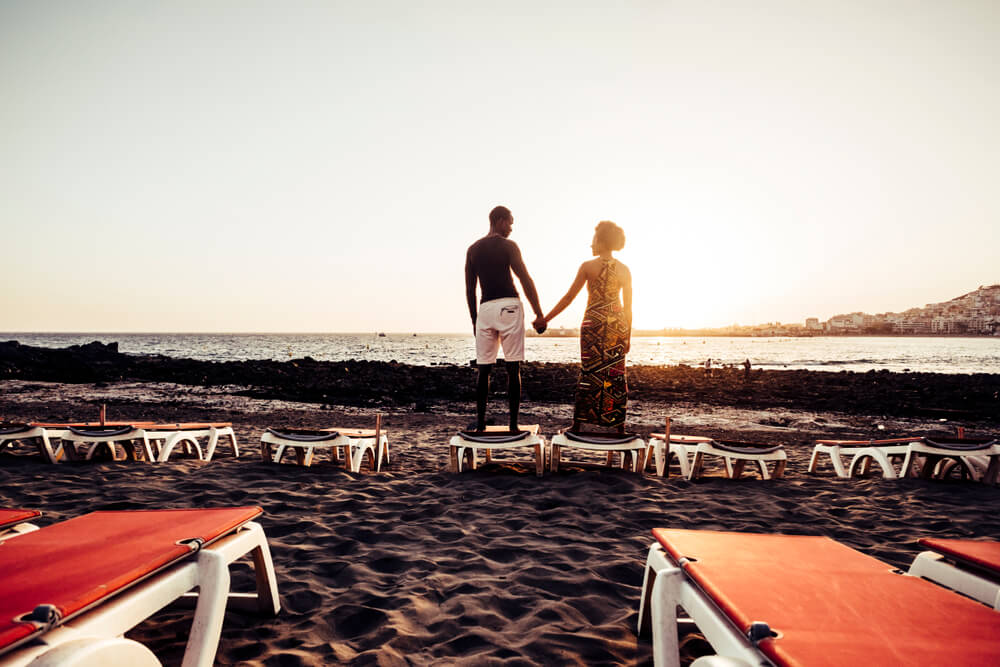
{"x":500,"y":321}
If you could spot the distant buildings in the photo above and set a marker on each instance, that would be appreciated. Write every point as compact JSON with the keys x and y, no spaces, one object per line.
{"x":976,"y":313}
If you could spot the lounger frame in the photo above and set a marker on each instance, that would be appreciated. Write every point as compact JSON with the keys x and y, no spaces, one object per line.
{"x":906,"y":457}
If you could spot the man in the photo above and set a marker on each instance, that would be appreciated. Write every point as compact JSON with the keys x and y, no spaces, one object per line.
{"x":500,"y":317}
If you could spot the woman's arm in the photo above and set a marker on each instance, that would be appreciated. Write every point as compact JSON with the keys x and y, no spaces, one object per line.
{"x":627,"y":304}
{"x":574,"y":289}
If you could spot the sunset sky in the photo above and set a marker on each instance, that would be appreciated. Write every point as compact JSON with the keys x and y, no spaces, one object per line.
{"x":322,"y":166}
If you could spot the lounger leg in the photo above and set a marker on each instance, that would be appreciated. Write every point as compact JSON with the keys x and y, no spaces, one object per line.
{"x":213,"y":593}
{"x":611,"y":459}
{"x":813,"y":460}
{"x":695,"y":471}
{"x":762,"y":466}
{"x":265,"y":452}
{"x":661,"y":456}
{"x":300,"y":456}
{"x":992,"y":471}
{"x":735,"y":467}
{"x":554,"y":458}
{"x":45,"y":449}
{"x":539,"y":459}
{"x":489,"y":455}
{"x":453,"y":463}
{"x":779,"y":469}
{"x":663,"y":606}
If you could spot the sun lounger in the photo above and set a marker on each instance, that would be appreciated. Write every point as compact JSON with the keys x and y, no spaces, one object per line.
{"x":48,"y":436}
{"x":804,"y":600}
{"x":882,"y":449}
{"x":154,"y":442}
{"x":468,"y":443}
{"x":627,"y":444}
{"x":72,"y":589}
{"x":971,"y":567}
{"x":14,"y":522}
{"x":355,"y":444}
{"x":187,"y":434}
{"x":924,"y":456}
{"x":691,"y":451}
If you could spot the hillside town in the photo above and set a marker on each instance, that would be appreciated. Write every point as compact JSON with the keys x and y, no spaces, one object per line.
{"x":974,"y":314}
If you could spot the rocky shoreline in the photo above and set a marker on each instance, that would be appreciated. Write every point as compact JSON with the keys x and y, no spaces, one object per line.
{"x":971,"y":398}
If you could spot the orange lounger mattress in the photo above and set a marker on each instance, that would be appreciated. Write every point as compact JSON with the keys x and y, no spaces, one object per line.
{"x":979,"y":554}
{"x":832,"y":605}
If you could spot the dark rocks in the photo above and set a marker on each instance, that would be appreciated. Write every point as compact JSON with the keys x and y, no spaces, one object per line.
{"x":927,"y":395}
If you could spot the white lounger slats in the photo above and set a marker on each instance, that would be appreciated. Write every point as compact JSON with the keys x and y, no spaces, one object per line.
{"x":466,"y":444}
{"x":628,"y":445}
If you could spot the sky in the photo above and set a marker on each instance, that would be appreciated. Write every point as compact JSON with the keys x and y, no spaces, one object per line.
{"x":323,"y":166}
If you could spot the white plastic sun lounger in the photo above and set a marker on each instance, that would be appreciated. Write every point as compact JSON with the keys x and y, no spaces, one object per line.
{"x":798,"y":600}
{"x":927,"y":457}
{"x":881,"y":450}
{"x":71,"y":590}
{"x":692,"y":451}
{"x":468,"y":443}
{"x":971,"y":567}
{"x":627,"y":444}
{"x":355,"y":444}
{"x":155,"y":442}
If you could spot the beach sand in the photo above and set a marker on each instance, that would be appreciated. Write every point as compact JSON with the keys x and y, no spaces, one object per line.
{"x":419,"y":566}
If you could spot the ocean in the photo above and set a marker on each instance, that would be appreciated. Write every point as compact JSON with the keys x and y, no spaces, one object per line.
{"x":858,"y":354}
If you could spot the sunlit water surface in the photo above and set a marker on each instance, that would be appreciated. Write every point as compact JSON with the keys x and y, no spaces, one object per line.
{"x":937,"y":355}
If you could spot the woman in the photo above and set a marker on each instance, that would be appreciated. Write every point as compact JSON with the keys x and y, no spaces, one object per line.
{"x":605,"y":334}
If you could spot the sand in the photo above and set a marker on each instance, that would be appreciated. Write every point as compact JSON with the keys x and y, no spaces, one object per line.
{"x":419,"y":566}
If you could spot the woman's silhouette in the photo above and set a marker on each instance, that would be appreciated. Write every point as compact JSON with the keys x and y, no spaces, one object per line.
{"x":606,"y":331}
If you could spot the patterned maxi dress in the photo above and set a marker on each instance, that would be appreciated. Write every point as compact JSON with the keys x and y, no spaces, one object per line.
{"x":602,"y":392}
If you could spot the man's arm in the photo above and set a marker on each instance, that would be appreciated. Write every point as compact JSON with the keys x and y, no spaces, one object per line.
{"x":521,"y":271}
{"x":470,"y":289}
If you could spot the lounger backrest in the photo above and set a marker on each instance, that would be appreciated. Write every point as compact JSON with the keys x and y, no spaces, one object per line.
{"x":487,"y":438}
{"x":737,"y":447}
{"x":832,"y":605}
{"x":13,"y":429}
{"x":600,"y":438}
{"x":304,"y":435}
{"x":101,"y":431}
{"x":74,"y":565}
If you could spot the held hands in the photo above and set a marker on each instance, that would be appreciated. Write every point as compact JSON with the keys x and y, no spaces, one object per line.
{"x":540,"y":325}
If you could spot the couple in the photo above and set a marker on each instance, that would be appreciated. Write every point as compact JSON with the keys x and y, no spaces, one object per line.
{"x":605,"y":333}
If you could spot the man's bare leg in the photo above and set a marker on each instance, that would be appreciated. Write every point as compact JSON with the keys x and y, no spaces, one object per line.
{"x":482,"y":395}
{"x":514,"y":391}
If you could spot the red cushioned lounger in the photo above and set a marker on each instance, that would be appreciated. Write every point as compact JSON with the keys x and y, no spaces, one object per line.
{"x":102,"y":573}
{"x":12,"y":517}
{"x":804,"y":600}
{"x":971,"y":567}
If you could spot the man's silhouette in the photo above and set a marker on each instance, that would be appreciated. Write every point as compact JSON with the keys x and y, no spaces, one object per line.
{"x":500,"y":316}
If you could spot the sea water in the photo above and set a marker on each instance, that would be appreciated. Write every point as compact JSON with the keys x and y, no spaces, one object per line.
{"x":821,"y":353}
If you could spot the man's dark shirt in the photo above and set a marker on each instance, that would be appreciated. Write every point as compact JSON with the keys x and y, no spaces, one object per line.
{"x":490,"y":258}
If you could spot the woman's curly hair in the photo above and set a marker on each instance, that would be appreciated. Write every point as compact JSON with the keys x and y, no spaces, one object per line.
{"x":610,"y":235}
